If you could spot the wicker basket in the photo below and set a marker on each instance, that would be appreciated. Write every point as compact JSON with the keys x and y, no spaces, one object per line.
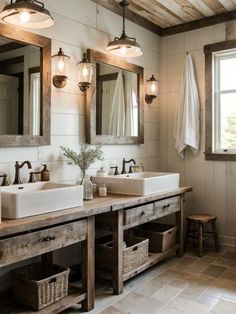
{"x":135,"y":254}
{"x":161,"y":237}
{"x":37,"y":287}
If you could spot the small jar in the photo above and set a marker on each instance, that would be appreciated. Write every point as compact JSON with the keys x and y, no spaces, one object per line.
{"x":103,"y":190}
{"x":101,"y":172}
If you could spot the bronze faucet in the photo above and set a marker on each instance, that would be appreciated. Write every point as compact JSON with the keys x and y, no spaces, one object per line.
{"x":127,"y":162}
{"x":17,"y":170}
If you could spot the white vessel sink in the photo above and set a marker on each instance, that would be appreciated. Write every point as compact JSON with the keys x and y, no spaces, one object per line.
{"x":31,"y":199}
{"x":140,"y":183}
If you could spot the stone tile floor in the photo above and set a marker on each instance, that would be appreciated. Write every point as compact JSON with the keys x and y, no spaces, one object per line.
{"x":187,"y":285}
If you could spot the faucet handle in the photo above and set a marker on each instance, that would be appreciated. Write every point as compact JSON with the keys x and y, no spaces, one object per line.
{"x":4,"y":181}
{"x":116,"y":170}
{"x":32,"y":177}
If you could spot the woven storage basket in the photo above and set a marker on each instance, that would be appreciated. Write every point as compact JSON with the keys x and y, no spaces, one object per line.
{"x":161,"y":237}
{"x":135,"y":254}
{"x":37,"y":286}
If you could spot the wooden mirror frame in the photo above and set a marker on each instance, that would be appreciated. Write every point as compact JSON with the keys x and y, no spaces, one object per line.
{"x":91,"y":98}
{"x":44,"y":44}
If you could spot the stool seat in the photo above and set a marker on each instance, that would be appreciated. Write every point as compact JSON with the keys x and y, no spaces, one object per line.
{"x":198,"y":234}
{"x":201,"y":218}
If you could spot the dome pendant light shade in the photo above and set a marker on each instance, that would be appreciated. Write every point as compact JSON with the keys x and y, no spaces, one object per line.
{"x":124,"y":46}
{"x":27,"y":14}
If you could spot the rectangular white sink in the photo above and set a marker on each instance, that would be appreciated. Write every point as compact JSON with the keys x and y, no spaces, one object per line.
{"x":31,"y":199}
{"x":140,"y":183}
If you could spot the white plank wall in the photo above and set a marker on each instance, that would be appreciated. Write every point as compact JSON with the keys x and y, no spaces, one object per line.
{"x":214,"y":183}
{"x":79,"y":25}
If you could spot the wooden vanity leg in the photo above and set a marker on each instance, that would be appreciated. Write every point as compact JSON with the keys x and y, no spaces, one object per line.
{"x":118,"y":246}
{"x":180,"y":226}
{"x":87,"y":249}
{"x":47,"y":258}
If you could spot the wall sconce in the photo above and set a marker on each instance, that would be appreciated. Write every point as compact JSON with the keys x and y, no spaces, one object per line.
{"x":152,"y":90}
{"x":60,"y":65}
{"x":85,"y":69}
{"x":27,"y":13}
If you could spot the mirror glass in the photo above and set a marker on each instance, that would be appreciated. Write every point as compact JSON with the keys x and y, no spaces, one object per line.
{"x":20,"y":96}
{"x":117,"y":110}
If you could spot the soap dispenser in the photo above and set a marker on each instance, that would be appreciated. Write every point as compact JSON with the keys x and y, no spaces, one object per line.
{"x":45,"y":174}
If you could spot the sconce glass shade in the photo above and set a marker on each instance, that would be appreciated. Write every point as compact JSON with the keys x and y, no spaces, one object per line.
{"x":124,"y":46}
{"x":152,"y":89}
{"x":27,"y":14}
{"x":85,"y":71}
{"x":60,"y":65}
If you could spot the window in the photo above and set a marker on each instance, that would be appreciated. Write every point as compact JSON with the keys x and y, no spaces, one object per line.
{"x":220,"y":110}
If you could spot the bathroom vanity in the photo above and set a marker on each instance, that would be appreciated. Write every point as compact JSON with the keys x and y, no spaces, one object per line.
{"x":40,"y":235}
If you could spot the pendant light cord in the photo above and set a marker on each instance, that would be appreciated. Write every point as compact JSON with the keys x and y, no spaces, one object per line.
{"x":124,"y":4}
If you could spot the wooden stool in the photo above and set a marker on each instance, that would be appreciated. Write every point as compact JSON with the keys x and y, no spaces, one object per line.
{"x":199,"y":233}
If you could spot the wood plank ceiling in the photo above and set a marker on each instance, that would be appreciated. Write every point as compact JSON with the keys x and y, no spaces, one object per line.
{"x":166,"y":17}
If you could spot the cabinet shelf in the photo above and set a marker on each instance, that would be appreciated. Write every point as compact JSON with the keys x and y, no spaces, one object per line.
{"x":75,"y":295}
{"x":153,"y":259}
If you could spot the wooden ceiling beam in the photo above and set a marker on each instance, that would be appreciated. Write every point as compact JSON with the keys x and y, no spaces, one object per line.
{"x":202,"y":7}
{"x":157,"y":9}
{"x":175,"y":8}
{"x":114,"y":6}
{"x":207,"y":21}
{"x":227,"y":4}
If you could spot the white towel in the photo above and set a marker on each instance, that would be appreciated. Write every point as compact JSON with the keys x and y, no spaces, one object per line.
{"x":117,"y":115}
{"x":187,"y":123}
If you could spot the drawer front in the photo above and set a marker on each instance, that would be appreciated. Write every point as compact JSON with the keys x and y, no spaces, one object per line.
{"x":39,"y":242}
{"x":139,"y":214}
{"x":167,"y":206}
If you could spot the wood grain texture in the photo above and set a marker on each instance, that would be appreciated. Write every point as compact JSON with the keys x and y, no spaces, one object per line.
{"x":25,"y":246}
{"x":173,"y":16}
{"x":88,"y":276}
{"x":44,"y":43}
{"x":118,"y":251}
{"x":96,"y":206}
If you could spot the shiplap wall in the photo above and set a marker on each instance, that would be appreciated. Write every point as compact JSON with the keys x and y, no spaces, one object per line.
{"x":81,"y":24}
{"x":214,"y":183}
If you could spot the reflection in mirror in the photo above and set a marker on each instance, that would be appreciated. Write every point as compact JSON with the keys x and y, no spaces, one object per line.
{"x":20,"y":96}
{"x":117,"y":101}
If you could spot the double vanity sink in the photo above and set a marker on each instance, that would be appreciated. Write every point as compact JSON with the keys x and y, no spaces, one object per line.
{"x":140,"y":183}
{"x":32,"y":199}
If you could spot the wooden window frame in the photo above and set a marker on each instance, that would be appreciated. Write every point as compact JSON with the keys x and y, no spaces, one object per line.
{"x":209,"y":119}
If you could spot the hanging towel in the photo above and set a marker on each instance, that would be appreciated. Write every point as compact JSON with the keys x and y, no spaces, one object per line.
{"x":117,"y":115}
{"x":186,"y":130}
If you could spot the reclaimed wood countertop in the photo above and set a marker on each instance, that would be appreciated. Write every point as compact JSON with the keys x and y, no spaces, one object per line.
{"x":96,"y":206}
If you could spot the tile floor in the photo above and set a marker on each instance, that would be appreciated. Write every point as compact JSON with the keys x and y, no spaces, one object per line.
{"x":187,"y":285}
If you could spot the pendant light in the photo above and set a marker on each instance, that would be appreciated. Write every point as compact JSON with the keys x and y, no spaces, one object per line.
{"x":27,"y":14}
{"x":124,"y":46}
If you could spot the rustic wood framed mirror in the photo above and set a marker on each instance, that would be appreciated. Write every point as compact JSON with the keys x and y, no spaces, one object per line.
{"x":25,"y":88}
{"x":114,"y":102}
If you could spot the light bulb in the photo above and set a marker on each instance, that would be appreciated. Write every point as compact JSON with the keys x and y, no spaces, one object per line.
{"x":61,"y":65}
{"x":85,"y":72}
{"x":123,"y":50}
{"x":153,"y":88}
{"x":24,"y":16}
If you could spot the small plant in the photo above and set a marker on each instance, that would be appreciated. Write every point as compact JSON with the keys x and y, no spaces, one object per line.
{"x":85,"y":158}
